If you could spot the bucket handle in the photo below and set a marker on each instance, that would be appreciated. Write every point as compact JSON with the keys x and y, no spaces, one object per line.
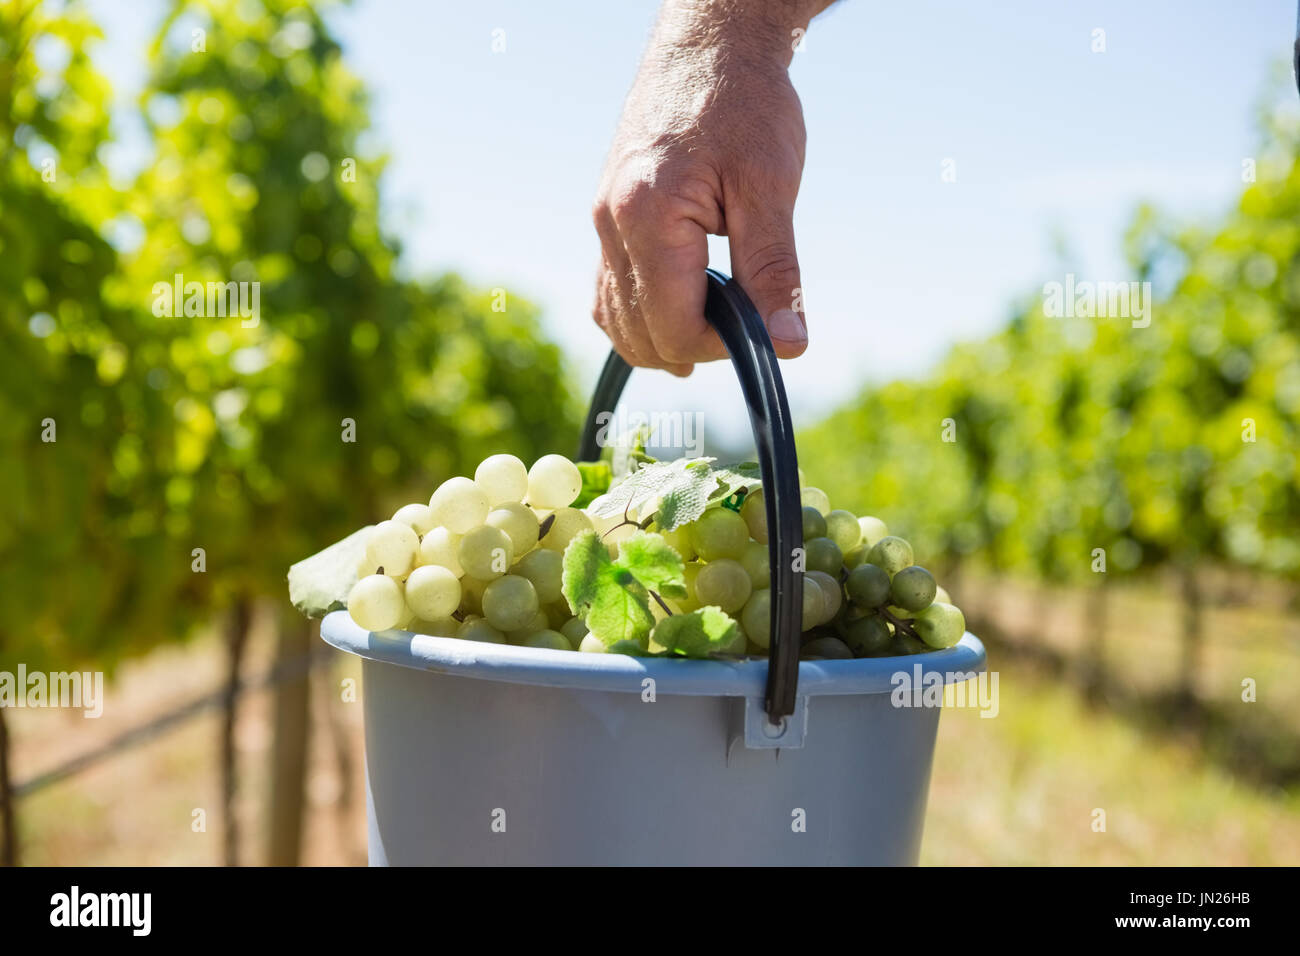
{"x":728,"y":309}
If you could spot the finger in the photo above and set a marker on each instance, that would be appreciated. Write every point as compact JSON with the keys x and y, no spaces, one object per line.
{"x":623,"y":303}
{"x":764,"y":261}
{"x":669,"y":256}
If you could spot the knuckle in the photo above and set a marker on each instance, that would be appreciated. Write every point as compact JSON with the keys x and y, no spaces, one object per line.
{"x":634,"y":203}
{"x":773,"y":266}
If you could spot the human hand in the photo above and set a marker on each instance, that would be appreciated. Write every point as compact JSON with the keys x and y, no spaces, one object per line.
{"x":711,"y":141}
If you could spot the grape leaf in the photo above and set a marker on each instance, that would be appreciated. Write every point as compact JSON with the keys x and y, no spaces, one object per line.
{"x":596,"y":479}
{"x":681,"y":489}
{"x":655,"y":565}
{"x":619,"y":614}
{"x":731,"y":478}
{"x":698,"y":633}
{"x":626,"y":453}
{"x":585,"y":563}
{"x":613,"y":596}
{"x":321,"y":583}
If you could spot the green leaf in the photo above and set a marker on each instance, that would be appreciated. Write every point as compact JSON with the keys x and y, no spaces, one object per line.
{"x":731,"y":478}
{"x":585,"y":563}
{"x":654,"y":564}
{"x":321,"y":583}
{"x":619,"y":614}
{"x":698,"y":633}
{"x":678,"y":490}
{"x":613,"y":596}
{"x":596,"y":479}
{"x":627,"y":452}
{"x":607,"y":597}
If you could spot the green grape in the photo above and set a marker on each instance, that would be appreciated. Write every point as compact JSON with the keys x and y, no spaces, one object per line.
{"x":868,"y":586}
{"x":417,"y":516}
{"x":724,"y":583}
{"x":503,"y":478}
{"x":575,"y":629}
{"x":471,"y":595}
{"x":873,"y":529}
{"x":557,"y":613}
{"x":827,"y":648}
{"x":568,"y":524}
{"x":891,"y":553}
{"x":720,"y":533}
{"x":545,"y":569}
{"x":756,"y":618}
{"x":392,"y":545}
{"x":738,"y":643}
{"x":679,"y":539}
{"x":441,"y":547}
{"x":757,"y":564}
{"x":591,"y":644}
{"x":941,"y":595}
{"x":486,"y":553}
{"x":913,"y":588}
{"x":754,"y":512}
{"x":510,"y":602}
{"x":821,"y":630}
{"x":433,"y":592}
{"x":904,"y":644}
{"x":459,"y":505}
{"x":842,"y":528}
{"x":553,"y":482}
{"x":814,"y":524}
{"x":538,"y":622}
{"x":443,"y":627}
{"x":822,"y":554}
{"x":832,"y":595}
{"x":550,"y":640}
{"x":477,"y":629}
{"x":408,"y":618}
{"x":519,"y":522}
{"x":855,"y":557}
{"x":814,"y":605}
{"x":816,"y":498}
{"x":867,"y":635}
{"x":940,"y":625}
{"x":376,"y":603}
{"x":690,"y":572}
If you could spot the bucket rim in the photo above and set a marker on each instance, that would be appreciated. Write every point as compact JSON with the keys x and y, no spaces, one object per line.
{"x":512,"y":664}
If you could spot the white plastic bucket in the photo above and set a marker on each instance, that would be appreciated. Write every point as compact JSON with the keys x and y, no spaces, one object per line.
{"x":494,"y":754}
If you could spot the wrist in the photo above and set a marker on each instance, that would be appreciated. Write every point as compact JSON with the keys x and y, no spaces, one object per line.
{"x":756,"y":32}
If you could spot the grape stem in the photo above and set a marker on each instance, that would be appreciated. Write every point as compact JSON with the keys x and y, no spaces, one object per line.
{"x":628,"y":521}
{"x":656,"y":596}
{"x":900,"y":624}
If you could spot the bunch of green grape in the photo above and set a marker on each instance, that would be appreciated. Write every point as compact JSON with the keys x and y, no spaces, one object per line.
{"x":862,"y":594}
{"x":482,"y":561}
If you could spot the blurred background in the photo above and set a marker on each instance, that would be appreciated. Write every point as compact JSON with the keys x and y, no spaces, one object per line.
{"x":410,"y":185}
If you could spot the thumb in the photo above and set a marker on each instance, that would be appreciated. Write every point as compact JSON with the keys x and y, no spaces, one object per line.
{"x":763,"y":261}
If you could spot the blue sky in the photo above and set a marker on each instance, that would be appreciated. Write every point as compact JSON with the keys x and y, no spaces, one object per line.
{"x":495,"y":156}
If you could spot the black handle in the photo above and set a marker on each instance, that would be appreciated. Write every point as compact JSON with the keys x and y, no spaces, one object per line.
{"x":741,"y":329}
